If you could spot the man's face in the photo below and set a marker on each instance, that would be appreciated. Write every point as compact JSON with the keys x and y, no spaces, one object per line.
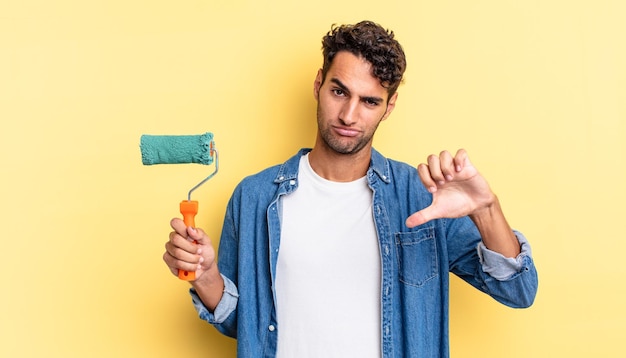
{"x":351,"y":103}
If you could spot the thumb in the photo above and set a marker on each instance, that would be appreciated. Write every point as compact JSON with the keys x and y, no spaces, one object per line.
{"x":421,"y":217}
{"x":196,"y":234}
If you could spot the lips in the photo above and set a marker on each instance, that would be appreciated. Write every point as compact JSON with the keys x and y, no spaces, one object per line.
{"x":346,"y":132}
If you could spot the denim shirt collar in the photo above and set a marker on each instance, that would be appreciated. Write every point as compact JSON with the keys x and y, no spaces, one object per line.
{"x":379,"y":166}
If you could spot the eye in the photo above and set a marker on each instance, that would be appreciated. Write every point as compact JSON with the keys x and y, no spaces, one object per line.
{"x":338,"y":92}
{"x":372,"y":102}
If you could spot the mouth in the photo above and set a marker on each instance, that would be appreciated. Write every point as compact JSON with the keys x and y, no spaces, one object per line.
{"x":346,"y":131}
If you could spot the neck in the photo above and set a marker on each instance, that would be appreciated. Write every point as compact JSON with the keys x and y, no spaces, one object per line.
{"x":334,"y":166}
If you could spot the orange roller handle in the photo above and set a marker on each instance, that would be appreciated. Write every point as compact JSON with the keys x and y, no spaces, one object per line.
{"x":189,"y":209}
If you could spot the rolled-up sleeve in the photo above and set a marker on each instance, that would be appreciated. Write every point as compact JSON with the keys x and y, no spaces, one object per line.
{"x":503,"y":268}
{"x":224,"y":308}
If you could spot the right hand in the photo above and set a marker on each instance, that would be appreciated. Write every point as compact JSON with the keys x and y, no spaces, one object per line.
{"x":181,"y":253}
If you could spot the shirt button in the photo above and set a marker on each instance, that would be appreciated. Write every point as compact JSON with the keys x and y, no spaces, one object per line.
{"x":292,"y":182}
{"x":271,"y":328}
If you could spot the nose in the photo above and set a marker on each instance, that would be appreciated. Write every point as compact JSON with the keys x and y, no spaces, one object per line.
{"x":348,"y":114}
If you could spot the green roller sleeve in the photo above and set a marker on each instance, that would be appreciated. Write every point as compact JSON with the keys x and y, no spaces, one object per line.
{"x":177,"y":149}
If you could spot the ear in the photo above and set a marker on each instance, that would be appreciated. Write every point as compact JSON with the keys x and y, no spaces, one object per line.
{"x":317,"y":84}
{"x":391,"y":104}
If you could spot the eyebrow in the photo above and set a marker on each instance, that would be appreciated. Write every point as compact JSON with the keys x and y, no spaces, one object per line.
{"x":345,"y":88}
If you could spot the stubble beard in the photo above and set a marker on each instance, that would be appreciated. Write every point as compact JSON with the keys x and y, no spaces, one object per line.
{"x":344,"y":146}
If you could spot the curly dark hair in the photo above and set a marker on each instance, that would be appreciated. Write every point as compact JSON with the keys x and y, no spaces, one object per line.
{"x":371,"y":42}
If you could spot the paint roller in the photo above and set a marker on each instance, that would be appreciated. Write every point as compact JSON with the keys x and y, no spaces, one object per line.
{"x":182,"y":149}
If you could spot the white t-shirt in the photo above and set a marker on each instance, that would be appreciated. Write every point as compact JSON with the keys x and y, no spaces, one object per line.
{"x":328,"y":272}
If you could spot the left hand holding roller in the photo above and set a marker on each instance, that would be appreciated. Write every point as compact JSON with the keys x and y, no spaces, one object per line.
{"x":168,"y":149}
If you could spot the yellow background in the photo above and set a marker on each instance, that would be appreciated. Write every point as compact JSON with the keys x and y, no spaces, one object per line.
{"x":535,"y":90}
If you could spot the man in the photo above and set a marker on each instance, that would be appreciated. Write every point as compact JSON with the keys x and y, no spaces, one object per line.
{"x":341,"y":252}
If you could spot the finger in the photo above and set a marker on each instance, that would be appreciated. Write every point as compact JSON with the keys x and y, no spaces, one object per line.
{"x":198,"y":235}
{"x":418,"y":218}
{"x":169,"y":261}
{"x":182,"y":249}
{"x":461,"y":160}
{"x":434,"y":166}
{"x":177,"y":258}
{"x":427,"y":180}
{"x":447,"y":165}
{"x":176,"y":264}
{"x":187,"y":262}
{"x":177,"y":241}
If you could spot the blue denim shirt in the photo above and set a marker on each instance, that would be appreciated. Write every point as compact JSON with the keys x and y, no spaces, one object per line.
{"x":415,"y":263}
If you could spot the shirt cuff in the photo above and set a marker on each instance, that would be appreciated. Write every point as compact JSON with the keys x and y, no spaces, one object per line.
{"x":224,"y":308}
{"x":503,"y":268}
